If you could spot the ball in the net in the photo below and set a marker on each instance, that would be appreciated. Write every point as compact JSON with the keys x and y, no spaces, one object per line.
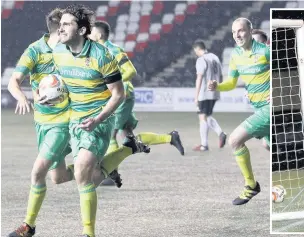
{"x":278,"y":193}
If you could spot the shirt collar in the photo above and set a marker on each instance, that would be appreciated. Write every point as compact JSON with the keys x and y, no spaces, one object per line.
{"x":85,"y":50}
{"x":107,"y":42}
{"x":101,"y":42}
{"x":254,"y":46}
{"x":251,"y":52}
{"x":43,"y":43}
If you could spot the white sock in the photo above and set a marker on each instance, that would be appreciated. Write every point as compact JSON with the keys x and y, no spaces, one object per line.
{"x":212,"y":123}
{"x":204,"y":128}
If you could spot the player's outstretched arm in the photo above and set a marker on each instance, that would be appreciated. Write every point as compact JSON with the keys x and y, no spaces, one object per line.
{"x":23,"y":104}
{"x":212,"y":85}
{"x":227,"y":85}
{"x":233,"y":76}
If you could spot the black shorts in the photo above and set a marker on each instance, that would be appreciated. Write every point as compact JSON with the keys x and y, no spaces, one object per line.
{"x":206,"y":107}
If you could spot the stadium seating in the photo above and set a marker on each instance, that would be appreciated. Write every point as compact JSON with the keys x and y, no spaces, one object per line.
{"x":184,"y":74}
{"x":20,"y":29}
{"x":8,"y":6}
{"x":155,"y":34}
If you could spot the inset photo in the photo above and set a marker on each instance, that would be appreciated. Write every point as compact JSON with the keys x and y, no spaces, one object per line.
{"x":287,"y":41}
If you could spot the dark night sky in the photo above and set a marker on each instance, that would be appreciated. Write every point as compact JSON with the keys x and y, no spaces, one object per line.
{"x":285,"y":14}
{"x":281,"y":38}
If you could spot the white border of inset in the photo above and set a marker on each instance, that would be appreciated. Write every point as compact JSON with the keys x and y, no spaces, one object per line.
{"x":296,"y":24}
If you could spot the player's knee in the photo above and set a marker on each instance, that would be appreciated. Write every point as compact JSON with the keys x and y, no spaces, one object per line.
{"x":56,"y":179}
{"x":38,"y":175}
{"x":83,"y":172}
{"x":39,"y":171}
{"x":203,"y":117}
{"x":231,"y":141}
{"x":80,"y":171}
{"x":234,"y":142}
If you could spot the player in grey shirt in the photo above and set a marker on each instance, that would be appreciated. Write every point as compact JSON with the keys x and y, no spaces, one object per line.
{"x":208,"y":67}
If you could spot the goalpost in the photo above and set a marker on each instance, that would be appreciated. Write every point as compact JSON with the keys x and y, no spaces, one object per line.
{"x":287,"y":112}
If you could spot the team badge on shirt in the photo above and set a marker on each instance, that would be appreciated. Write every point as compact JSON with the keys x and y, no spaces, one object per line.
{"x":87,"y":62}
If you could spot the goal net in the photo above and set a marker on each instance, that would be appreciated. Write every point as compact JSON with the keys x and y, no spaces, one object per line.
{"x":287,"y":120}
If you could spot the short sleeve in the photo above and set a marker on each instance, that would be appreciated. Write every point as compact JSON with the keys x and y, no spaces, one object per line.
{"x":201,"y":65}
{"x":120,"y":56}
{"x":27,"y":61}
{"x":108,"y":67}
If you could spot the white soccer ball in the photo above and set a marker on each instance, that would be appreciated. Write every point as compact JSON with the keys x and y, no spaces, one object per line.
{"x":53,"y":87}
{"x":278,"y":193}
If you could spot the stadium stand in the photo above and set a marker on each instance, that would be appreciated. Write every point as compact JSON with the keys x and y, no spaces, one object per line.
{"x":157,"y":35}
{"x":7,"y":7}
{"x":182,"y":71}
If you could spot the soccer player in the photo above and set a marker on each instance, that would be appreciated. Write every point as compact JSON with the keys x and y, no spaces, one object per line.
{"x":250,"y":61}
{"x":93,"y":80}
{"x":51,"y":123}
{"x":125,"y":118}
{"x":208,"y":67}
{"x":261,"y":37}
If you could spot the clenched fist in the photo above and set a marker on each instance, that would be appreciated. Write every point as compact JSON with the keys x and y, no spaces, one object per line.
{"x":212,"y":85}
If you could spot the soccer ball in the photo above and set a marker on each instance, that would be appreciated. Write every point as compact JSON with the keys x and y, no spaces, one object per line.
{"x":278,"y":193}
{"x":53,"y":87}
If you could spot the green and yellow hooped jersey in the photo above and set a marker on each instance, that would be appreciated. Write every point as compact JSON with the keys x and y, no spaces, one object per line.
{"x":253,"y":67}
{"x":121,"y":57}
{"x":86,"y":76}
{"x":37,"y":61}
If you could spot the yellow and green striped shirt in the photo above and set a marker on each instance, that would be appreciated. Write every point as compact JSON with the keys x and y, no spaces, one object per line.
{"x":37,"y":62}
{"x":86,"y":76}
{"x":122,"y":58}
{"x":253,"y":68}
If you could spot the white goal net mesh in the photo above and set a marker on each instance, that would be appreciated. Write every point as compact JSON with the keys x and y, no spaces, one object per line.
{"x":287,"y":129}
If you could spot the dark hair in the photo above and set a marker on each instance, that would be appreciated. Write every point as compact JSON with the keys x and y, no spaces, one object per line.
{"x":84,"y":16}
{"x":199,"y":43}
{"x":261,"y":33}
{"x":53,"y":20}
{"x":105,"y":27}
